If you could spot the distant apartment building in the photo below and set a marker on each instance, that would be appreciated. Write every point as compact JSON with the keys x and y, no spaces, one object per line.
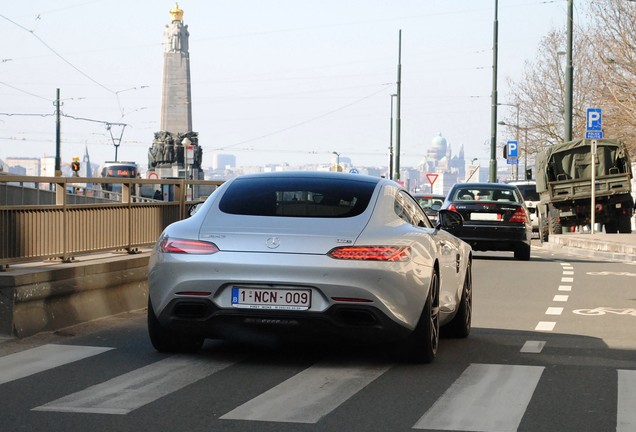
{"x":23,"y":166}
{"x":223,"y":161}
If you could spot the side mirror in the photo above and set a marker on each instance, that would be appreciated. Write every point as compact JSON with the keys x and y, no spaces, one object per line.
{"x":436,"y":207}
{"x":449,"y":220}
{"x":194,"y":209}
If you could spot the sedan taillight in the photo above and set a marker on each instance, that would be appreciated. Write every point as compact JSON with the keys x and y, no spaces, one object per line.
{"x":452,"y":207}
{"x":182,"y":246}
{"x":371,"y":253}
{"x":519,"y":216}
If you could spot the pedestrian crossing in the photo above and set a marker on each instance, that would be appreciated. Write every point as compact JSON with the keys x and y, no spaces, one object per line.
{"x":482,"y":397}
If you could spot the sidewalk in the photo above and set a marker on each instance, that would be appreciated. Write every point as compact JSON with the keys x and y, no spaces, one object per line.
{"x":615,"y":247}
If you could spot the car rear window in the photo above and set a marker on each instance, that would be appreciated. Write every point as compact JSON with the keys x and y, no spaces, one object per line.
{"x":297,"y":197}
{"x":484,"y":194}
{"x":529,"y":192}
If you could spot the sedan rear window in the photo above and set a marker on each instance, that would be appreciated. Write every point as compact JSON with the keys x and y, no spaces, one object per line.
{"x":297,"y":197}
{"x":484,"y":194}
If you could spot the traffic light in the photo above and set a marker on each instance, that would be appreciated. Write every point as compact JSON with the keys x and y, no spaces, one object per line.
{"x":75,"y":165}
{"x":529,"y":174}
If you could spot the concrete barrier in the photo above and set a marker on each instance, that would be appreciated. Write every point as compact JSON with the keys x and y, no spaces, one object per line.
{"x":48,"y":296}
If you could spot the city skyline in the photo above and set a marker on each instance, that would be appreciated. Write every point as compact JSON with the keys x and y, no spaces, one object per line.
{"x":270,"y":87}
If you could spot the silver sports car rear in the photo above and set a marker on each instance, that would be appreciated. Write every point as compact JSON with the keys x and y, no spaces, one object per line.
{"x":309,"y":255}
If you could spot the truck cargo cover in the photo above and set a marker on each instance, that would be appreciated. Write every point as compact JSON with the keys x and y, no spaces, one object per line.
{"x":572,"y":161}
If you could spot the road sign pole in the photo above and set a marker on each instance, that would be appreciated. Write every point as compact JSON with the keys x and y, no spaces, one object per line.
{"x":593,"y":194}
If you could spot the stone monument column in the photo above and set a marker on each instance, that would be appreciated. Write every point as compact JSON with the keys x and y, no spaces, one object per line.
{"x":176,"y":105}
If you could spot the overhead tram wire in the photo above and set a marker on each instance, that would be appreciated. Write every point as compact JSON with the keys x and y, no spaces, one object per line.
{"x":384,"y":88}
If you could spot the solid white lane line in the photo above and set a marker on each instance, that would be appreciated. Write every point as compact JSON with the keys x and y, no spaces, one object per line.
{"x":567,"y":279}
{"x":625,"y":413}
{"x":554,"y":311}
{"x":309,"y":395}
{"x":561,"y":298}
{"x":130,"y":391}
{"x":534,"y":347}
{"x":35,"y":360}
{"x":565,"y":287}
{"x":545,"y":326}
{"x":484,"y":398}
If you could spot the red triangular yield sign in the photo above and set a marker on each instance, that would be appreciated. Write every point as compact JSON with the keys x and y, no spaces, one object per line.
{"x":431,"y":178}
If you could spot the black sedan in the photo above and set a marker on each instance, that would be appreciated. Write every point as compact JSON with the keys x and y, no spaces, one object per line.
{"x":430,"y":203}
{"x":495,"y":217}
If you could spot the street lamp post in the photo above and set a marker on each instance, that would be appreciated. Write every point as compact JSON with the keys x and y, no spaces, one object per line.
{"x":393,"y":96}
{"x":337,"y":161}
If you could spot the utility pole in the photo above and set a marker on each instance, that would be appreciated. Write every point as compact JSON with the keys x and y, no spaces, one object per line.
{"x":58,"y":157}
{"x":391,"y":143}
{"x":569,"y":74}
{"x":492,"y":173}
{"x":397,"y":110}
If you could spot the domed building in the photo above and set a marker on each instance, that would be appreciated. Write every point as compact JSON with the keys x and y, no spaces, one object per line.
{"x":440,"y":160}
{"x":439,"y":147}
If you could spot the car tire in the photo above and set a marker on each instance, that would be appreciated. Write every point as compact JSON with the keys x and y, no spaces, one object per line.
{"x":460,"y":325}
{"x":165,"y":340}
{"x":522,"y":252}
{"x":421,"y":345}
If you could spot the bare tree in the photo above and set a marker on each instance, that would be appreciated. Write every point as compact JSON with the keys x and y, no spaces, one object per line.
{"x":540,"y":94}
{"x":614,"y":41}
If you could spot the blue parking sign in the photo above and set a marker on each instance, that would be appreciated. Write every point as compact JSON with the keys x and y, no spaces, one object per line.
{"x":513,"y":149}
{"x":594,"y":119}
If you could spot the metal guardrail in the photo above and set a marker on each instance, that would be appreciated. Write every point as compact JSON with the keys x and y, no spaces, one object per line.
{"x":63,"y":217}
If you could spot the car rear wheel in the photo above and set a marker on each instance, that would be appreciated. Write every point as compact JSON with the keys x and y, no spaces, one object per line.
{"x":460,"y":325}
{"x":166,"y":340}
{"x":421,"y":345}
{"x":523,"y":252}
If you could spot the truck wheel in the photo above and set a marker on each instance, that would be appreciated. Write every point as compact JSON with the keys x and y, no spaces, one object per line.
{"x":555,"y":225}
{"x":611,"y":227}
{"x":624,"y":224}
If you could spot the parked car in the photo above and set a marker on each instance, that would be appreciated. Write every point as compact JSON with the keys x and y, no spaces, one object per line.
{"x":430,"y":203}
{"x":495,"y":217}
{"x":307,"y":256}
{"x":528,"y":189}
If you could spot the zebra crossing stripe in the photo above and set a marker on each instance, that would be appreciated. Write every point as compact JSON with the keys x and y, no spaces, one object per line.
{"x":309,"y":395}
{"x":130,"y":391}
{"x":486,"y":397}
{"x":42,"y":358}
{"x":625,"y":413}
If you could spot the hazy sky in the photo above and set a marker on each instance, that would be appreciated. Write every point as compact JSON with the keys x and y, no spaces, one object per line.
{"x":273,"y":81}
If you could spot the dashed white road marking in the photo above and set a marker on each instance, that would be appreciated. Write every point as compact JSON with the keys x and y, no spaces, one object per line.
{"x":565,"y":287}
{"x":464,"y":407}
{"x":35,"y":360}
{"x":561,"y":298}
{"x":569,"y":273}
{"x":567,"y":279}
{"x":534,"y":347}
{"x":625,"y":413}
{"x":554,"y":311}
{"x":132,"y":390}
{"x":545,"y":326}
{"x":309,"y":395}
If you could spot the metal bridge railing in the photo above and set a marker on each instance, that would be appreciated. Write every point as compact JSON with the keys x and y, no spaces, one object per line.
{"x":63,"y":217}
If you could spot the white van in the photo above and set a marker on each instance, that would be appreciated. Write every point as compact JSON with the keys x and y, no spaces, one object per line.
{"x":528,"y":189}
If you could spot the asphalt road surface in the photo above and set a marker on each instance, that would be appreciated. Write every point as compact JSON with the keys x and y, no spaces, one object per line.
{"x":553,"y":348}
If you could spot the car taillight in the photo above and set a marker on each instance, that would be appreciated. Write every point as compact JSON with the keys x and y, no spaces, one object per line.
{"x":371,"y":253}
{"x":519,"y":216}
{"x":452,"y":207}
{"x":172,"y":245}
